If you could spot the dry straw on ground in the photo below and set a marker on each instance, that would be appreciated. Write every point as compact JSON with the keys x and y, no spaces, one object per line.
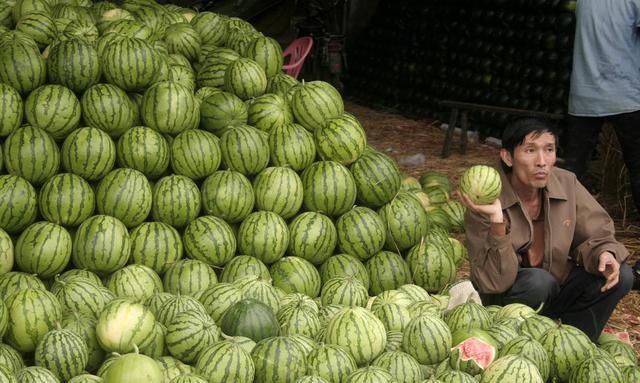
{"x":417,"y":143}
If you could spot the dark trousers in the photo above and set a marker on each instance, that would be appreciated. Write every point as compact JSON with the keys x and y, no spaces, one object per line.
{"x":582,"y":140}
{"x":577,"y":302}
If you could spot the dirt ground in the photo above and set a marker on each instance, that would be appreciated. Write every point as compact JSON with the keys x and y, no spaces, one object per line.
{"x":416,"y":145}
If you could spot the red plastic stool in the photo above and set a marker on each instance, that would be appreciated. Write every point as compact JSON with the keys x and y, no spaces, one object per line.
{"x":298,"y":51}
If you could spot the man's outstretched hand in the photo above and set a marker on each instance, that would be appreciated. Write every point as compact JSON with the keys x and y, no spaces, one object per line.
{"x":492,"y":210}
{"x":610,"y":268}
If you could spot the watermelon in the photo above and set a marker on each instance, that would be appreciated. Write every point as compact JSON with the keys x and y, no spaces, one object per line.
{"x":226,"y":361}
{"x":89,"y":153}
{"x":123,"y":325}
{"x":73,"y":63}
{"x":211,"y":27}
{"x":209,"y":239}
{"x":387,"y":271}
{"x":85,"y":378}
{"x":329,"y":188}
{"x":467,"y":316}
{"x":189,"y":333}
{"x":299,"y":317}
{"x":66,"y":199}
{"x":242,"y":265}
{"x":253,"y":287}
{"x":315,"y":102}
{"x":81,"y":295}
{"x":101,"y":244}
{"x":6,"y":255}
{"x":227,"y":194}
{"x":296,"y":275}
{"x":377,"y":178}
{"x":346,"y":291}
{"x":195,"y":153}
{"x":267,"y":52}
{"x":281,"y":84}
{"x":312,"y":236}
{"x":176,"y":201}
{"x":566,"y":346}
{"x":214,"y":65}
{"x":6,"y":375}
{"x":264,"y":235}
{"x":12,"y":109}
{"x":249,"y":318}
{"x":36,"y":374}
{"x":278,"y":189}
{"x":184,"y":39}
{"x":222,"y":110}
{"x":532,"y":350}
{"x":341,"y":139}
{"x":511,"y":368}
{"x":268,"y":111}
{"x":54,"y":109}
{"x":402,"y":366}
{"x":143,"y":149}
{"x":133,"y":368}
{"x":394,"y":316}
{"x":62,"y":352}
{"x":31,"y":153}
{"x":481,"y":183}
{"x":431,"y":266}
{"x":405,"y":220}
{"x":21,"y":65}
{"x":217,"y":298}
{"x":278,"y":359}
{"x":291,"y":145}
{"x":43,"y":248}
{"x":330,"y":362}
{"x":138,"y":282}
{"x":370,"y":374}
{"x":108,"y":108}
{"x":18,"y":203}
{"x":188,"y":277}
{"x":473,"y":353}
{"x":10,"y":358}
{"x":359,"y":332}
{"x":33,"y":312}
{"x":344,"y":265}
{"x":427,"y":339}
{"x":170,"y":108}
{"x":126,"y":195}
{"x":244,"y":149}
{"x":245,"y":78}
{"x":156,"y":245}
{"x":131,"y":64}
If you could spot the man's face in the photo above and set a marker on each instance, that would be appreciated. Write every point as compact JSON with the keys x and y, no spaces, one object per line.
{"x":533,"y":160}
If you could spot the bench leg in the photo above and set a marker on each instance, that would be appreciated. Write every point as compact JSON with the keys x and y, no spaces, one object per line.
{"x":464,"y":126}
{"x":453,"y":120}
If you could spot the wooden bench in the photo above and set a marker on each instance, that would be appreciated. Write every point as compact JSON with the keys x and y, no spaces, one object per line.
{"x":459,"y":114}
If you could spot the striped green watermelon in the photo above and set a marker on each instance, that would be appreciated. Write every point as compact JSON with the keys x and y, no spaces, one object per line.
{"x":101,"y":244}
{"x":481,"y":184}
{"x":211,"y":27}
{"x":468,"y":315}
{"x":330,"y":362}
{"x":7,"y":375}
{"x":85,"y":378}
{"x":85,"y":326}
{"x":345,"y":291}
{"x":227,"y":194}
{"x":361,"y":232}
{"x":4,"y":319}
{"x":133,"y":368}
{"x":130,"y":63}
{"x":213,"y":67}
{"x":291,"y":145}
{"x":431,"y":267}
{"x":427,"y":339}
{"x":267,"y":52}
{"x":344,"y":265}
{"x":254,"y":287}
{"x":296,"y":275}
{"x":513,"y":368}
{"x":130,"y":28}
{"x":282,"y":84}
{"x":532,"y":350}
{"x":12,"y":109}
{"x":15,"y":281}
{"x":195,"y":153}
{"x":189,"y":378}
{"x":387,"y":271}
{"x":597,"y":369}
{"x":134,"y":281}
{"x":36,"y":374}
{"x":415,"y":292}
{"x":156,"y":245}
{"x":239,"y":37}
{"x":249,"y":318}
{"x":242,"y":265}
{"x":172,"y":367}
{"x":126,"y":195}
{"x":315,"y":102}
{"x":43,"y":248}
{"x":341,"y":139}
{"x":264,"y":235}
{"x":189,"y":333}
{"x":184,"y":39}
{"x":79,"y":28}
{"x":123,"y":325}
{"x":31,"y":153}
{"x":245,"y":149}
{"x":405,"y":220}
{"x":278,"y":189}
{"x":395,"y":317}
{"x":226,"y":361}
{"x":299,"y":316}
{"x":222,"y":110}
{"x":10,"y":358}
{"x":245,"y":78}
{"x":32,"y":313}
{"x":377,"y":178}
{"x":21,"y":65}
{"x":73,"y":63}
{"x":359,"y":332}
{"x":176,"y":201}
{"x":80,"y":295}
{"x":402,"y":366}
{"x":89,"y":153}
{"x":54,"y":109}
{"x":6,"y":256}
{"x":536,"y":325}
{"x":312,"y":236}
{"x":18,"y":203}
{"x":40,"y":26}
{"x":278,"y":359}
{"x":143,"y":149}
{"x":170,"y":107}
{"x":268,"y":111}
{"x":217,"y":298}
{"x":188,"y":277}
{"x":566,"y":346}
{"x":329,"y":188}
{"x":108,"y":108}
{"x":209,"y":239}
{"x":175,"y":305}
{"x":62,"y":352}
{"x":66,"y":199}
{"x":396,"y":296}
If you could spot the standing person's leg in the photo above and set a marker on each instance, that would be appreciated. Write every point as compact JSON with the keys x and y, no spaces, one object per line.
{"x":627,"y":128}
{"x":582,"y":138}
{"x":580,"y":302}
{"x":533,"y":287}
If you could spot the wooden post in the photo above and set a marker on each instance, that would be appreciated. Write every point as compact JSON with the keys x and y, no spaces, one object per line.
{"x":453,"y":120}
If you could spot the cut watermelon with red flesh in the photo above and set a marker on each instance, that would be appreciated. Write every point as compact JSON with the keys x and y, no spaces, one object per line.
{"x":477,"y":350}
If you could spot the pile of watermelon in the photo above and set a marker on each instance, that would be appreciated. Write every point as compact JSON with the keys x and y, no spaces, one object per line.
{"x":174,"y":208}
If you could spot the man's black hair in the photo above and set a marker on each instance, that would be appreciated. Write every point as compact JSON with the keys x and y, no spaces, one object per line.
{"x":516,"y":130}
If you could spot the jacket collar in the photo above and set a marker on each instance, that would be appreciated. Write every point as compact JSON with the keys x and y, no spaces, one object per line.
{"x":553,"y":190}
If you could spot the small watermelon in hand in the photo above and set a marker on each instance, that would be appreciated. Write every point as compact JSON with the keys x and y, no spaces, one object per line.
{"x":481,"y":184}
